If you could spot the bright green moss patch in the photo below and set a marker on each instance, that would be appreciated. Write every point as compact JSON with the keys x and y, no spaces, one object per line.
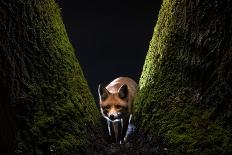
{"x":161,"y":72}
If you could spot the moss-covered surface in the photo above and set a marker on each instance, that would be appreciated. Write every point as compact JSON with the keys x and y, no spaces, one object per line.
{"x":52,"y":106}
{"x":161,"y":74}
{"x":172,"y":103}
{"x":65,"y":105}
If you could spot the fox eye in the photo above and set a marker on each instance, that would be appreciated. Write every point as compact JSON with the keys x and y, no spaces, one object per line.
{"x":107,"y":107}
{"x":118,"y":107}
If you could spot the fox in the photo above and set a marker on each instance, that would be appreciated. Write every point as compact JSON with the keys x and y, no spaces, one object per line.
{"x":116,"y":106}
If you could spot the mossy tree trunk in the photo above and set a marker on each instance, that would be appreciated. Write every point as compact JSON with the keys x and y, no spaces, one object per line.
{"x":45,"y":103}
{"x":185,"y":95}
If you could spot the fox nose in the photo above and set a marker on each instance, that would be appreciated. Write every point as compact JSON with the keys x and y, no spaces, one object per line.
{"x":112,"y":117}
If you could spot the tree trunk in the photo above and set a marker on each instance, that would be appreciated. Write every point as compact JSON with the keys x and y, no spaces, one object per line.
{"x":185,"y":98}
{"x":45,"y":103}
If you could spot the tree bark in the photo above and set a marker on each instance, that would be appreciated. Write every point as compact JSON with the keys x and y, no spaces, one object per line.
{"x":186,"y":84}
{"x":45,"y":104}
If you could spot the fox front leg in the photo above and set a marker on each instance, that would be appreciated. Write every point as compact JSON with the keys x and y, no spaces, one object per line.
{"x":116,"y":130}
{"x":108,"y":123}
{"x":121,"y":120}
{"x":130,"y":128}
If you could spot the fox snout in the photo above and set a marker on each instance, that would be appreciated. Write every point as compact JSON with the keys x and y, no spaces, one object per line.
{"x":114,"y":115}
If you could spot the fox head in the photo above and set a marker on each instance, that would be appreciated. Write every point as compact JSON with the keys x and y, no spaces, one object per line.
{"x":114,"y":106}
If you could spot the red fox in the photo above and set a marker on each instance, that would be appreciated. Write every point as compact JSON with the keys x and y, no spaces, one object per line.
{"x":116,"y":102}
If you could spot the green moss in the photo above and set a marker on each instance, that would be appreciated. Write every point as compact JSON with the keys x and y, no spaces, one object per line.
{"x":166,"y":106}
{"x":161,"y":74}
{"x":190,"y":129}
{"x":63,"y":109}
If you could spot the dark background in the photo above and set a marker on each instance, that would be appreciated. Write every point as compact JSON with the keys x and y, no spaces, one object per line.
{"x":111,"y":38}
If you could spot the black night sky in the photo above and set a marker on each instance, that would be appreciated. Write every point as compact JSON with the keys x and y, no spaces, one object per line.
{"x":111,"y":38}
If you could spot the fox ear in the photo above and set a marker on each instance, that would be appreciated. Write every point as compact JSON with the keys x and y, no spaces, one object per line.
{"x":123,"y":92}
{"x":102,"y":92}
